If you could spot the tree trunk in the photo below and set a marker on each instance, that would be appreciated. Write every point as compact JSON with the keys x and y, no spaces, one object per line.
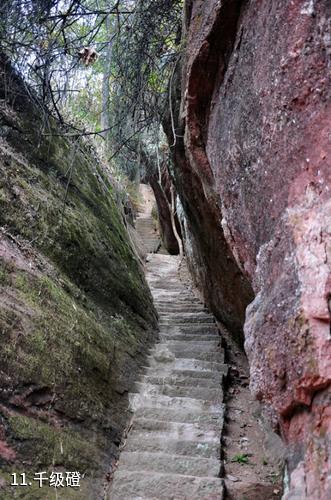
{"x":173,"y":221}
{"x":165,"y":218}
{"x":105,"y":121}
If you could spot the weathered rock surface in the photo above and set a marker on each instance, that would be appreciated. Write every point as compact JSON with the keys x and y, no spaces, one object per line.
{"x":76,"y":315}
{"x":173,"y":449}
{"x":163,"y":202}
{"x":253,"y":174}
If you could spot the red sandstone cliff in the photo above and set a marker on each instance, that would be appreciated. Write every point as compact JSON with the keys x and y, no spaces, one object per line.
{"x":253,"y":174}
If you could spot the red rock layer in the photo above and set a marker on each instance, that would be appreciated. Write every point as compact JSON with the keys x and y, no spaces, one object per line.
{"x":254,"y":178}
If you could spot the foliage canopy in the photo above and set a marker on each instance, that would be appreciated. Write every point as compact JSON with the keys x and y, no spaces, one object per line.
{"x":123,"y":95}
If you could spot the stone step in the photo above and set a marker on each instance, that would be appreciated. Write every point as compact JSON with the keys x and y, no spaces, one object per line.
{"x":134,"y":485}
{"x":195,"y":315}
{"x":172,"y":446}
{"x":181,"y":415}
{"x":164,"y":337}
{"x":162,"y":251}
{"x":181,"y":349}
{"x":175,"y":403}
{"x":205,"y":374}
{"x":149,"y":237}
{"x":174,"y":464}
{"x":181,"y":363}
{"x":193,"y":299}
{"x":187,"y":318}
{"x":188,"y":349}
{"x":148,"y":222}
{"x":193,"y":328}
{"x":176,"y":430}
{"x":173,"y":307}
{"x":182,"y":381}
{"x":170,"y":287}
{"x":218,"y":374}
{"x":179,"y":297}
{"x":168,"y":324}
{"x":192,"y":353}
{"x":157,"y":283}
{"x":182,"y":308}
{"x":169,"y":296}
{"x":211,"y":345}
{"x":189,"y":300}
{"x":180,"y":319}
{"x":192,"y":303}
{"x":193,"y":392}
{"x":152,"y":247}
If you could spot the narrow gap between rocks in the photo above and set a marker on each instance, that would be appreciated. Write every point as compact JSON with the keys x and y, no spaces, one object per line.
{"x":195,"y":428}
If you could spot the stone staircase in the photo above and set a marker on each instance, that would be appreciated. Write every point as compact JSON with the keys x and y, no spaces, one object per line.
{"x":173,"y":448}
{"x":147,"y":231}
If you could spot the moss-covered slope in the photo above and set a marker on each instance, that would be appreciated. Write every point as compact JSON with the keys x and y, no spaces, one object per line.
{"x":76,"y":315}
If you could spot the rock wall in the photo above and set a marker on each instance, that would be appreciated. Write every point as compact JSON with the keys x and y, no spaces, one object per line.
{"x":163,"y":205}
{"x":76,"y":314}
{"x":253,"y":174}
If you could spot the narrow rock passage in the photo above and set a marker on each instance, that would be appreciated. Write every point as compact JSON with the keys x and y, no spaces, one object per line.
{"x":173,"y":448}
{"x":145,"y":225}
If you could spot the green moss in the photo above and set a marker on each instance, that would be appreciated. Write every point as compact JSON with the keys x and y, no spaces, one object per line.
{"x":49,"y":449}
{"x":89,"y":242}
{"x":75,"y":324}
{"x":52,"y":446}
{"x":5,"y":273}
{"x":34,"y":492}
{"x":8,"y":322}
{"x":3,"y":277}
{"x":63,"y":333}
{"x":3,"y":195}
{"x":69,"y":340}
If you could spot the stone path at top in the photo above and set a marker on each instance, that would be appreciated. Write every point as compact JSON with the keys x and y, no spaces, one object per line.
{"x":173,"y":448}
{"x":144,"y":223}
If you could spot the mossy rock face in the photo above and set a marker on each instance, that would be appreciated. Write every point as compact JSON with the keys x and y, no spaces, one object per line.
{"x":76,"y":315}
